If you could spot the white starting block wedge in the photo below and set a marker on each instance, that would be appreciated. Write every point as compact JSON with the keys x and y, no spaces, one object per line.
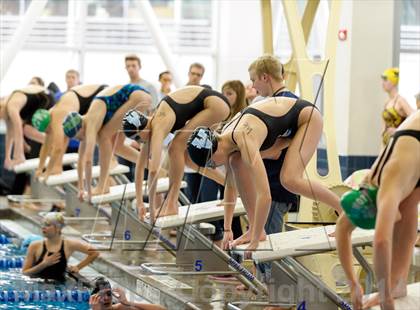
{"x":31,"y":165}
{"x":291,"y":282}
{"x":70,"y":176}
{"x":40,"y":193}
{"x":409,"y":302}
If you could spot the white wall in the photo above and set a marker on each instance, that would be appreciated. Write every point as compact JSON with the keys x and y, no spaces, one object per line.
{"x":240,"y":39}
{"x":360,"y":62}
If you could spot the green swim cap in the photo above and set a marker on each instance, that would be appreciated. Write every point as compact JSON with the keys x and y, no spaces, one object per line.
{"x":41,"y":119}
{"x":360,"y":206}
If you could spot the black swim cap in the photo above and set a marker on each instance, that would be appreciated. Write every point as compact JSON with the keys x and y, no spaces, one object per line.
{"x":99,"y":284}
{"x":133,"y":122}
{"x":201,"y":145}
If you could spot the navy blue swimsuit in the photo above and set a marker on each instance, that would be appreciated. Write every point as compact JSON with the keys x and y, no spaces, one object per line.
{"x":115,"y":101}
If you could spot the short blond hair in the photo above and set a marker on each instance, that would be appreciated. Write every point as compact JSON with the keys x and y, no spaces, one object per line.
{"x":268,"y":64}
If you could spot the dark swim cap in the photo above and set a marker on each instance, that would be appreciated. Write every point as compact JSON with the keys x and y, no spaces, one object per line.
{"x":133,"y":122}
{"x":202,"y":145}
{"x":99,"y":284}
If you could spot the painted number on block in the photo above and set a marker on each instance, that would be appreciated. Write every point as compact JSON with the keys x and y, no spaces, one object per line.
{"x":302,"y":306}
{"x":77,"y":211}
{"x":127,"y":235}
{"x":198,"y":265}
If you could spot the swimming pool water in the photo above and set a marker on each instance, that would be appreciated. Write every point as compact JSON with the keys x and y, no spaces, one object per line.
{"x":21,"y":292}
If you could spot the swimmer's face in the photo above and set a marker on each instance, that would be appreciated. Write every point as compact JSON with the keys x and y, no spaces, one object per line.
{"x":387,"y":85}
{"x":260,"y":83}
{"x":231,"y":95}
{"x":106,"y":297}
{"x":49,"y":229}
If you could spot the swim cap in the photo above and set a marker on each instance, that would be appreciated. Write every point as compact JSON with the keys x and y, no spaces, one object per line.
{"x":41,"y":119}
{"x":360,"y":206}
{"x":392,"y":75}
{"x":201,"y":146}
{"x":54,"y":218}
{"x":99,"y":284}
{"x":133,"y":122}
{"x":72,"y":124}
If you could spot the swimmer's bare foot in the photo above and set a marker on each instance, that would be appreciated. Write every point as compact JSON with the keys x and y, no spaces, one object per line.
{"x":399,"y":291}
{"x":357,"y":296}
{"x":167,"y":210}
{"x":246,"y":238}
{"x":100,"y":190}
{"x":55,"y":170}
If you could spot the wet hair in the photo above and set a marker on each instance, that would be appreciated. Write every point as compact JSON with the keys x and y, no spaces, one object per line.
{"x":270,"y":65}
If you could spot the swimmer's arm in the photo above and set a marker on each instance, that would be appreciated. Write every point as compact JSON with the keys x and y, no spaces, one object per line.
{"x":28,"y":266}
{"x":16,"y":122}
{"x":230,"y":198}
{"x":9,"y":140}
{"x":251,"y":156}
{"x":83,"y":247}
{"x":343,"y":233}
{"x":33,"y":134}
{"x":139,"y":175}
{"x":156,"y":142}
{"x":44,"y":152}
{"x":88,"y":159}
{"x":80,"y":167}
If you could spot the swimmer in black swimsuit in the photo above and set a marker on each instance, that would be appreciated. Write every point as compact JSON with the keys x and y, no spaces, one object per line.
{"x":396,"y":173}
{"x":78,"y":99}
{"x":19,"y":108}
{"x":47,"y":259}
{"x":265,"y":126}
{"x":180,"y":113}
